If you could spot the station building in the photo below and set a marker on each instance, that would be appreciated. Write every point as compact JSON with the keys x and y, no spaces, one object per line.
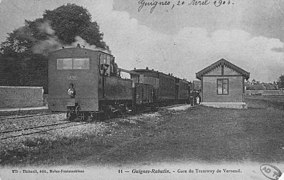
{"x":222,"y":85}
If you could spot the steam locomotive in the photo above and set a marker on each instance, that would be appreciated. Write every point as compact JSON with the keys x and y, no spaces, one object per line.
{"x":86,"y":83}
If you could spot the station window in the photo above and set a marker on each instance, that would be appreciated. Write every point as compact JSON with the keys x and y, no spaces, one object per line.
{"x":76,"y":63}
{"x":222,"y":86}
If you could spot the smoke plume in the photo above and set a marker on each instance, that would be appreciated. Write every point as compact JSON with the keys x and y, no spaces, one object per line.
{"x":53,"y":43}
{"x":83,"y":44}
{"x":43,"y":47}
{"x":46,"y":28}
{"x":50,"y":44}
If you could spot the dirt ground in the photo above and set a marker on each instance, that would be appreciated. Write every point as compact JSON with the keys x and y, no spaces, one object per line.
{"x":204,"y":134}
{"x":199,"y":133}
{"x":174,"y":138}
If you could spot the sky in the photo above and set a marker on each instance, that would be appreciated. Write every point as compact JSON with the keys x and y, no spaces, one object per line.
{"x":178,"y":39}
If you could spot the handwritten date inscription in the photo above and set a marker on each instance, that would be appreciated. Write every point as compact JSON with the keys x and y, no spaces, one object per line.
{"x":171,"y":4}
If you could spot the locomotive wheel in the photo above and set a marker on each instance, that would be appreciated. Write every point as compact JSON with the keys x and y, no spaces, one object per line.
{"x":70,"y":116}
{"x":77,"y":110}
{"x":82,"y":116}
{"x":89,"y":118}
{"x":153,"y":108}
{"x":92,"y":116}
{"x":108,"y":115}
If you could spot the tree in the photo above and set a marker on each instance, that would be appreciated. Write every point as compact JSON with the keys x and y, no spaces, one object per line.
{"x":26,"y":46}
{"x":57,"y":27}
{"x":17,"y":44}
{"x":92,"y":37}
{"x":69,"y":21}
{"x":280,"y":81}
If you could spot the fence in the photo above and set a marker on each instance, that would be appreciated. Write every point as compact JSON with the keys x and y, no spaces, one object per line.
{"x":265,"y":92}
{"x":20,"y":96}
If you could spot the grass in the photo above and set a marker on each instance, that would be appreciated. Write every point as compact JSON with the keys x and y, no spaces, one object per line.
{"x":276,"y":102}
{"x":68,"y":146}
{"x":211,"y":135}
{"x":197,"y":134}
{"x":60,"y":151}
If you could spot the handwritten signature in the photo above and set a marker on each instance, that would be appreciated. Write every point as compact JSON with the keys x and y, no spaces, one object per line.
{"x":152,"y":4}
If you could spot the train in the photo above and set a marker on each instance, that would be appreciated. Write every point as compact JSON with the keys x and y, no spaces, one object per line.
{"x":87,"y":83}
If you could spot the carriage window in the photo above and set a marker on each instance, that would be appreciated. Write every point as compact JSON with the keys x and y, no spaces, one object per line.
{"x":65,"y":63}
{"x":81,"y":63}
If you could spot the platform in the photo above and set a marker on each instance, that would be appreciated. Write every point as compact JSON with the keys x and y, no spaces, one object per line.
{"x":233,"y":105}
{"x":23,"y":109}
{"x":26,"y":110}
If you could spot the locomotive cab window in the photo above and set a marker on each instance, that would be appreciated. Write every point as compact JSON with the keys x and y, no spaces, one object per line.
{"x":222,"y":86}
{"x":81,"y":63}
{"x":105,"y":63}
{"x":76,"y":63}
{"x":65,"y":63}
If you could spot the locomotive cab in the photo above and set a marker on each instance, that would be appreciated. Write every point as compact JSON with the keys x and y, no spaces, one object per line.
{"x":73,"y":80}
{"x":84,"y":82}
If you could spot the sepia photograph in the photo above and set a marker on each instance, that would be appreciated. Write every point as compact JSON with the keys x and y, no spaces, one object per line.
{"x":142,"y":89}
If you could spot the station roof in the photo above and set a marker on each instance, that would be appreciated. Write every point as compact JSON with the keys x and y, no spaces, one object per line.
{"x":220,"y":63}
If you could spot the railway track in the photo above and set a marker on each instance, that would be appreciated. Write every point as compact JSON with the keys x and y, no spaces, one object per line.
{"x":44,"y":128}
{"x":37,"y":129}
{"x":34,"y":127}
{"x":41,"y":129}
{"x":24,"y":116}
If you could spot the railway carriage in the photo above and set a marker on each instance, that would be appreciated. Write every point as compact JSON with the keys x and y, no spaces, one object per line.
{"x":143,"y":94}
{"x":167,"y":88}
{"x":183,"y":92}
